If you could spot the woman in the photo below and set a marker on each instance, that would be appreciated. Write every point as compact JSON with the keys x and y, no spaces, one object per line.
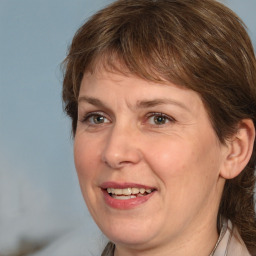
{"x":162,"y":96}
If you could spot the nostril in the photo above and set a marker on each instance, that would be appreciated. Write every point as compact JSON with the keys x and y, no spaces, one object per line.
{"x":120,"y":151}
{"x":115,"y":163}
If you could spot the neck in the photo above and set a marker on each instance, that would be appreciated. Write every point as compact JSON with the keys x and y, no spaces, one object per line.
{"x":200,"y":243}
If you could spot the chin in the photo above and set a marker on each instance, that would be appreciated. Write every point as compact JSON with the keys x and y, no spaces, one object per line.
{"x":128,"y":238}
{"x":129,"y":232}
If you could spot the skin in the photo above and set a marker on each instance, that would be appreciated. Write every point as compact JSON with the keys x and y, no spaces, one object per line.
{"x":180,"y":156}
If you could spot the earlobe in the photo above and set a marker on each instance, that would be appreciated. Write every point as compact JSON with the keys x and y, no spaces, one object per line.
{"x":239,"y":151}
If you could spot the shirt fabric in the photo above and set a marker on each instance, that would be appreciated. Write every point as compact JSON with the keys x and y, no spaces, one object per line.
{"x":230,"y":242}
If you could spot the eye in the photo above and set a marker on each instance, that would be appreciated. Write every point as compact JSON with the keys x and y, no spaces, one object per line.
{"x":159,"y":119}
{"x":95,"y":119}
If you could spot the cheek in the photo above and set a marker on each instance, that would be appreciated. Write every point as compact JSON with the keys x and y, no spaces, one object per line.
{"x":86,"y":158}
{"x":168,"y":157}
{"x":86,"y":163}
{"x":185,"y":164}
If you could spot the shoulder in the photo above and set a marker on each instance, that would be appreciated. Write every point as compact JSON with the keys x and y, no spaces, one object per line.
{"x":237,"y":245}
{"x":230,"y":242}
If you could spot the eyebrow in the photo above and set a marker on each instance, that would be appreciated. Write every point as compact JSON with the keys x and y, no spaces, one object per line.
{"x":157,"y":102}
{"x":139,"y":104}
{"x":92,"y":101}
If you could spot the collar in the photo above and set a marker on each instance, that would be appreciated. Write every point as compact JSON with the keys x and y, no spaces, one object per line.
{"x":230,"y":242}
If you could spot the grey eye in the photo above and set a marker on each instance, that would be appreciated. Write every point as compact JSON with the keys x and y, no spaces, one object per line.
{"x":96,"y":119}
{"x":158,"y":120}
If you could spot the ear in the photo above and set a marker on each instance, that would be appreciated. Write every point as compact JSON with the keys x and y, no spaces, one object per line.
{"x":239,"y":150}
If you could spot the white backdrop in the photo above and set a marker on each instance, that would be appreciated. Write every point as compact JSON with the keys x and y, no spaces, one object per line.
{"x":40,"y":201}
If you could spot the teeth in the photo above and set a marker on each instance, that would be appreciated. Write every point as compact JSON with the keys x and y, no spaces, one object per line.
{"x":118,"y":191}
{"x":128,"y":191}
{"x":135,"y":191}
{"x":123,"y":197}
{"x":142,"y":190}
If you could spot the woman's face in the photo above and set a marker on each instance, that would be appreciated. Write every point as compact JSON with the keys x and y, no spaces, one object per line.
{"x":147,"y":159}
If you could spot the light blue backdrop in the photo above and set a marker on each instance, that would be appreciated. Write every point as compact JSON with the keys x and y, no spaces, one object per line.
{"x":39,"y":192}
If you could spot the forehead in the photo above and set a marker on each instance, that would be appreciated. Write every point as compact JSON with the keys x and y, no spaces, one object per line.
{"x":116,"y":88}
{"x":108,"y":62}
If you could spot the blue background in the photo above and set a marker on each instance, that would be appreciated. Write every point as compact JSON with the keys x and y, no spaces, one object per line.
{"x":40,"y":198}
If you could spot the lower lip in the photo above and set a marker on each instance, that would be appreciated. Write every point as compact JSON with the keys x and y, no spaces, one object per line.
{"x":125,"y":204}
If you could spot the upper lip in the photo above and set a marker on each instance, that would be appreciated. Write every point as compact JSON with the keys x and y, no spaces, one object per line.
{"x":113,"y":184}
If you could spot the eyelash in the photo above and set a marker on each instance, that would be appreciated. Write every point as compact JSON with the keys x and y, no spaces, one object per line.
{"x":157,"y":114}
{"x":86,"y":118}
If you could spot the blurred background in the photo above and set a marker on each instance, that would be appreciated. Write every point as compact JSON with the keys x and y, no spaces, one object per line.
{"x":42,"y":212}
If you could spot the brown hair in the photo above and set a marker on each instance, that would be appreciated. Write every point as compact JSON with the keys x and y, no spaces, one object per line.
{"x":199,"y":44}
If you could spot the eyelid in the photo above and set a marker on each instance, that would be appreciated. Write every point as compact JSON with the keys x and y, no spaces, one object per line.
{"x":160,"y":114}
{"x":86,"y":116}
{"x":169,"y":118}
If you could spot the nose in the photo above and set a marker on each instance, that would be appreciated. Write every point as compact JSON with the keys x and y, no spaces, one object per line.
{"x":121,"y":148}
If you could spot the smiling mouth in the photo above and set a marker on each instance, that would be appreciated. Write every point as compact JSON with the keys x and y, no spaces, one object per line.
{"x":128,"y":193}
